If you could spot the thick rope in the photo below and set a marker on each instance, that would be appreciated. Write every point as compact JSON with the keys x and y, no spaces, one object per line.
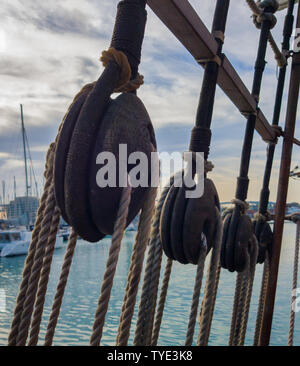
{"x":36,"y":269}
{"x":125,"y":84}
{"x":196,"y":296}
{"x":43,"y":282}
{"x":111,"y":266}
{"x":147,"y":305}
{"x":242,"y":298}
{"x":246,"y":305}
{"x":161,"y":303}
{"x":262,"y":298}
{"x":240,"y":305}
{"x":137,"y":260}
{"x":294,"y":285}
{"x":210,"y":293}
{"x":238,"y":289}
{"x":31,"y":253}
{"x":60,"y":288}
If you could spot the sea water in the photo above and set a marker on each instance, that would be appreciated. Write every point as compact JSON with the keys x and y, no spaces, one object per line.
{"x":83,"y":288}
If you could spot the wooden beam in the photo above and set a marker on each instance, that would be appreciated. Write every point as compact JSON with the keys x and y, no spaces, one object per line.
{"x":183,"y":21}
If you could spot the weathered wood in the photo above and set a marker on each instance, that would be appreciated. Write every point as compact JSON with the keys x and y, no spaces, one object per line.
{"x":182,"y":20}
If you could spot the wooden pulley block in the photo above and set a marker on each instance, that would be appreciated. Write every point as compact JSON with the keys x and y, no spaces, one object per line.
{"x":264,"y":235}
{"x":237,"y":237}
{"x":94,"y":124}
{"x":187,"y":222}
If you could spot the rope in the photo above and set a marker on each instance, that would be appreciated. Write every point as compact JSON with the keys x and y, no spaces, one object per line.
{"x":242,"y":297}
{"x":294,"y":285}
{"x":111,"y":266}
{"x":136,"y":268}
{"x":196,"y":296}
{"x":246,"y":305}
{"x":44,"y":278}
{"x":12,"y":339}
{"x":147,"y":305}
{"x":36,"y":269}
{"x":244,"y":206}
{"x":210,"y":293}
{"x":262,"y":297}
{"x":125,"y":84}
{"x":258,"y":14}
{"x":60,"y":289}
{"x":162,"y":301}
{"x":236,"y":305}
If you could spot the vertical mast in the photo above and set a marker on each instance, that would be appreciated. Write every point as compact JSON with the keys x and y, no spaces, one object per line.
{"x":15,"y":188}
{"x":24,"y":149}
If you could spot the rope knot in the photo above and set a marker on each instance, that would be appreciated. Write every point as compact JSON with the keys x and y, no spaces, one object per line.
{"x":244,"y":206}
{"x":125,"y":84}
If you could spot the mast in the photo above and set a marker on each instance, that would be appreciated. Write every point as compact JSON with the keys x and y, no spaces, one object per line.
{"x":15,"y":188}
{"x":24,"y":149}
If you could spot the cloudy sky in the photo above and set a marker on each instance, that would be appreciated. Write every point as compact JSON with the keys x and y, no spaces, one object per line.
{"x":50,"y":49}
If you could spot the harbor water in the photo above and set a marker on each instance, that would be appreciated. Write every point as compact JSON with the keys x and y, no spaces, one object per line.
{"x":82,"y":292}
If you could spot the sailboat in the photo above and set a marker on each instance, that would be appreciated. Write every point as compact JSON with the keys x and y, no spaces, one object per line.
{"x":16,"y":241}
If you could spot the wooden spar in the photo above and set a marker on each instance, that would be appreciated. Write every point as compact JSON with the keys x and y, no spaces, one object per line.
{"x":284,"y":174}
{"x":182,"y":20}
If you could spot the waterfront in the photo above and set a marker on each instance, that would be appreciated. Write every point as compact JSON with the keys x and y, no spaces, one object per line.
{"x":79,"y":305}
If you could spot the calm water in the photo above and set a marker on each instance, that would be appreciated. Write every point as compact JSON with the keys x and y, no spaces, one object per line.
{"x":76,"y":319}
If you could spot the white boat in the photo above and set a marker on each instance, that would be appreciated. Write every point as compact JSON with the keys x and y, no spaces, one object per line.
{"x":15,"y":242}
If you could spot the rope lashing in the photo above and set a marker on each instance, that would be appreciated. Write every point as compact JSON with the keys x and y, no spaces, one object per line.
{"x":124,"y":84}
{"x":258,"y":17}
{"x":111,"y":266}
{"x":58,"y":298}
{"x":12,"y":339}
{"x":295,"y":218}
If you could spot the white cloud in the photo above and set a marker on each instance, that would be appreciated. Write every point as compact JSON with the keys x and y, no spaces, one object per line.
{"x":52,"y":49}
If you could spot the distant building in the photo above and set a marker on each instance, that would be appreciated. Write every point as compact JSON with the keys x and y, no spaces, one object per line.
{"x":22,"y":210}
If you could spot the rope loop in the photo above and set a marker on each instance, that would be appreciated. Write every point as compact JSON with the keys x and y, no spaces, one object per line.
{"x":125,"y":84}
{"x":244,"y":206}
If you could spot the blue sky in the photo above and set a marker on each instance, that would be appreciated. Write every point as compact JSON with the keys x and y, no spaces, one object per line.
{"x":49,"y":50}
